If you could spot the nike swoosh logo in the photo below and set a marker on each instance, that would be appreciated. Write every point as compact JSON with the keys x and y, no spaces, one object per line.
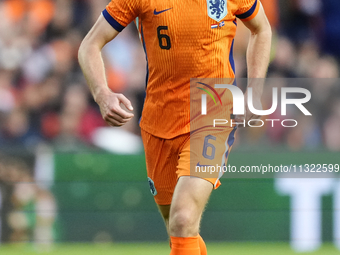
{"x":156,"y":12}
{"x":199,"y":165}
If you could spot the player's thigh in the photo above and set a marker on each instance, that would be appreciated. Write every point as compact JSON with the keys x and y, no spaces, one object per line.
{"x":205,"y":153}
{"x":188,"y":202}
{"x":209,"y":153}
{"x":191,"y":194}
{"x":161,"y":157}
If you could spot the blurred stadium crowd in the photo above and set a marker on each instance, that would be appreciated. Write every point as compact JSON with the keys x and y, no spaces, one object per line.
{"x":44,"y":98}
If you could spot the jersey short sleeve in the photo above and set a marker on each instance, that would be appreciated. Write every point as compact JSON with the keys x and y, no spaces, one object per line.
{"x":247,"y":9}
{"x":119,"y":13}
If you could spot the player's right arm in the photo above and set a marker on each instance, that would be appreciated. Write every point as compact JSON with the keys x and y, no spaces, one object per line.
{"x":91,"y":62}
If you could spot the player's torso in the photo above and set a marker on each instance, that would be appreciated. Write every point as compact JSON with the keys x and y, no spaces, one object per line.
{"x":180,"y":35}
{"x":184,"y":39}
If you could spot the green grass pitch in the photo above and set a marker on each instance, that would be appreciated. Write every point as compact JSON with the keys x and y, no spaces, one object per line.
{"x":160,"y":249}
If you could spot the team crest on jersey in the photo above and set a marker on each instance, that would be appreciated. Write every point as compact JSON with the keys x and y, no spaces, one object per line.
{"x":217,"y":9}
{"x":152,"y":186}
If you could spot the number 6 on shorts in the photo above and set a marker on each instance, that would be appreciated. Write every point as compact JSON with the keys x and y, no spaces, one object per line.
{"x":207,"y":145}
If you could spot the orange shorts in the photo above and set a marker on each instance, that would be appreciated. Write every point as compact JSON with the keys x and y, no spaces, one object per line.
{"x":169,"y":159}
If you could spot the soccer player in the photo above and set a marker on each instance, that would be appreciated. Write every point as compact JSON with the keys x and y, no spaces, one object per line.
{"x":182,"y":40}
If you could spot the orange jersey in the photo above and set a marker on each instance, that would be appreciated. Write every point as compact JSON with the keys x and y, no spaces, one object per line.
{"x":182,"y":40}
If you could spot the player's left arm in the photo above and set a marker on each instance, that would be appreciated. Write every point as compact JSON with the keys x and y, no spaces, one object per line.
{"x":258,"y":55}
{"x":258,"y":52}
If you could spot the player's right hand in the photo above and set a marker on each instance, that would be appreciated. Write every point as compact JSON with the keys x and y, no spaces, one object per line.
{"x":111,"y":109}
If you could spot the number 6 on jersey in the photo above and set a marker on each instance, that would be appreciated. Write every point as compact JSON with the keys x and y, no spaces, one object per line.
{"x":167,"y":45}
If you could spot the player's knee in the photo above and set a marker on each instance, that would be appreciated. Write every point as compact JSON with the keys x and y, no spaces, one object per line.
{"x":182,"y":223}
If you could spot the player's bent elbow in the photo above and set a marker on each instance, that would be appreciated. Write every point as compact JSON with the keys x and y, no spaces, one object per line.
{"x":80,"y":52}
{"x":85,"y":48}
{"x":264,"y":31}
{"x":267,"y":28}
{"x":267,"y":31}
{"x":263,"y":28}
